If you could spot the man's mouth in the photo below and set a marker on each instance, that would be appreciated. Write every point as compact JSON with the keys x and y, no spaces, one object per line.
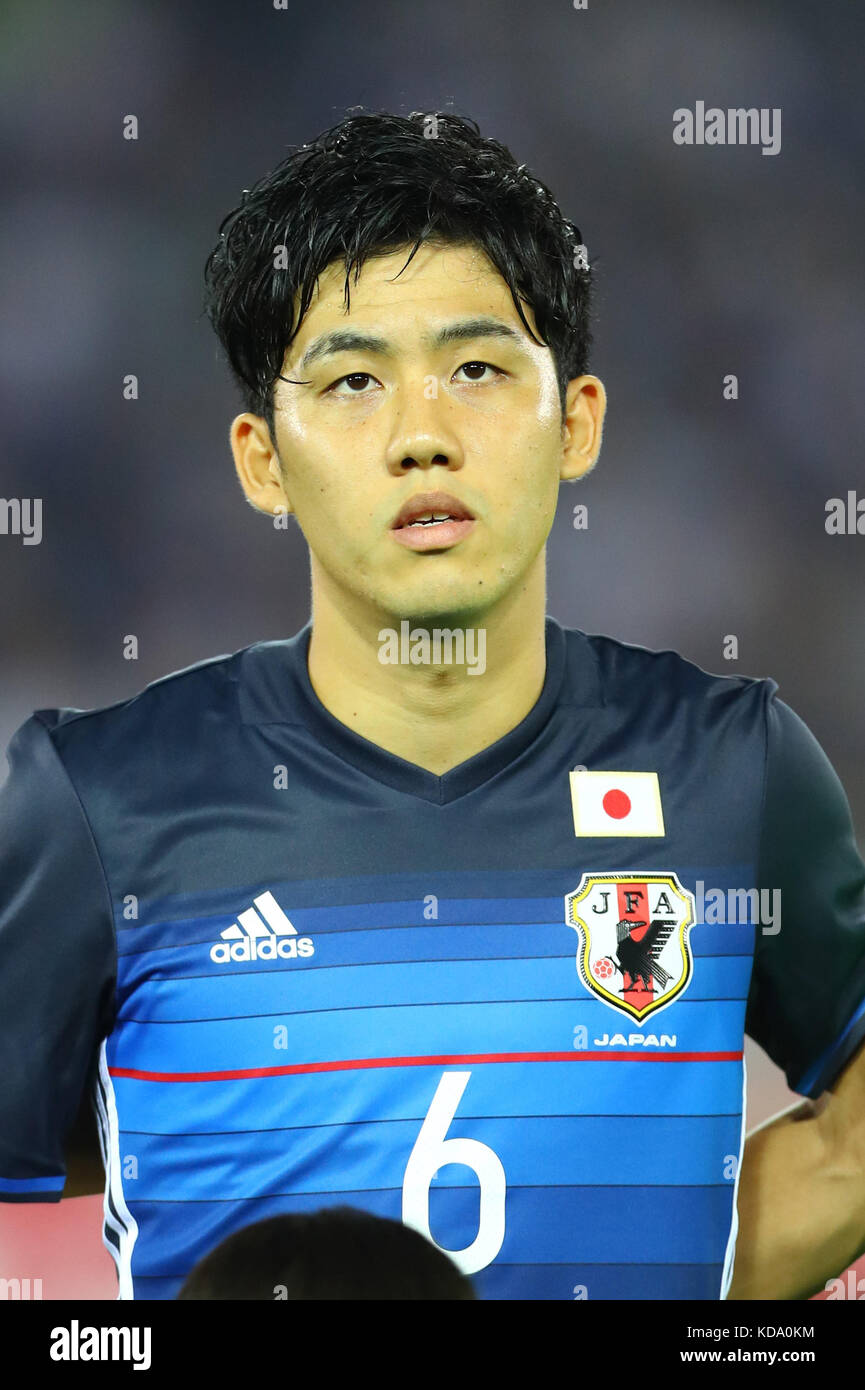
{"x":432,"y":521}
{"x":431,"y":509}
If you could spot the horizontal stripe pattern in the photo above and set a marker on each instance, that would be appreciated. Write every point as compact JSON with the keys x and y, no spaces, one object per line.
{"x":293,"y":1084}
{"x":26,"y":1186}
{"x":473,"y":1059}
{"x":638,"y":1226}
{"x":411,"y":936}
{"x":579,"y":1151}
{"x":553,"y":1281}
{"x":446,"y":1030}
{"x":508,"y":1088}
{"x":202,"y":990}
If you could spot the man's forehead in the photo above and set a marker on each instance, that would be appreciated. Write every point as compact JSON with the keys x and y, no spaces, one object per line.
{"x":438,"y":284}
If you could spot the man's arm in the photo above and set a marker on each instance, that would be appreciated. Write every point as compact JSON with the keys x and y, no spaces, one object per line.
{"x":802,"y":1194}
{"x":58,"y":957}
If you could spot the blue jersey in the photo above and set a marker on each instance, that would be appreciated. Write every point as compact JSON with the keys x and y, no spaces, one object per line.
{"x":506,"y":1005}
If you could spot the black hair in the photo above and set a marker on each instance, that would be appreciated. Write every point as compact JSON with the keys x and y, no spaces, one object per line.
{"x":336,"y":1253}
{"x":370,"y":185}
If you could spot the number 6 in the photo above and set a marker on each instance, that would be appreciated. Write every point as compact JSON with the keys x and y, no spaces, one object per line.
{"x":431,"y":1152}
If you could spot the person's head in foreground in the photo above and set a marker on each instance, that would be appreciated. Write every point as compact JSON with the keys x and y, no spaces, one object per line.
{"x":337,"y":1253}
{"x":406,"y":311}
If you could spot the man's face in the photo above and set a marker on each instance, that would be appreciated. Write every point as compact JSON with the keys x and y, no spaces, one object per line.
{"x":381,"y":425}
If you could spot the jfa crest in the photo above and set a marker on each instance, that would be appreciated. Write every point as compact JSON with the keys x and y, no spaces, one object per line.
{"x":633,"y":951}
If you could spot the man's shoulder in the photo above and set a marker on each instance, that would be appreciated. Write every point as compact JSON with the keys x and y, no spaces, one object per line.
{"x":172,"y":692}
{"x":626,"y":672}
{"x":174,"y":710}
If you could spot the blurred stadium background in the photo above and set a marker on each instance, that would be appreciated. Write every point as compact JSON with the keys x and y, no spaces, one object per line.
{"x":706,"y":517}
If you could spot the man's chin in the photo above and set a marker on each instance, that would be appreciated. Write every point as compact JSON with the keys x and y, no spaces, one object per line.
{"x":454,"y":609}
{"x":429,"y":622}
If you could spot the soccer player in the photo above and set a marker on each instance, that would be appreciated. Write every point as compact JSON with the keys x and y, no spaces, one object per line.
{"x":431,"y":908}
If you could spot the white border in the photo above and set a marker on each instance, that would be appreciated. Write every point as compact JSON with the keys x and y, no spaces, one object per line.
{"x":730,"y":1256}
{"x":109,"y":1139}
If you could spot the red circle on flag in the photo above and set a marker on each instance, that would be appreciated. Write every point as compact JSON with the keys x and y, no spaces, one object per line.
{"x":616,"y":804}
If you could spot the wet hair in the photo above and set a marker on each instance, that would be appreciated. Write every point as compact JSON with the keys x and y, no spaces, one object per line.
{"x":336,"y":1253}
{"x":369,"y":186}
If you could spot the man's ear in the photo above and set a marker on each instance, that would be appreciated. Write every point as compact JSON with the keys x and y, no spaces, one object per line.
{"x":583,"y":426}
{"x":257,"y":465}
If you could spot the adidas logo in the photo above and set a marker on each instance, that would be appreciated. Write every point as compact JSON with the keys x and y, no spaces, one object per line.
{"x":250,"y":938}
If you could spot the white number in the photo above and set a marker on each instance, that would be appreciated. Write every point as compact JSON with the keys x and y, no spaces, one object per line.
{"x":431,"y":1152}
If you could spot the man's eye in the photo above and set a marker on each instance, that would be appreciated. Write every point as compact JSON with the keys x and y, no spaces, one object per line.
{"x":351,"y":377}
{"x":483,"y":366}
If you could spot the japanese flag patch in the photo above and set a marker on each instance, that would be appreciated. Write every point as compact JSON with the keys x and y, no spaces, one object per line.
{"x":616,"y":803}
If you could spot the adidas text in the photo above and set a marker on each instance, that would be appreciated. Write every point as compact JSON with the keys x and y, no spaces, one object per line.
{"x":262,"y":948}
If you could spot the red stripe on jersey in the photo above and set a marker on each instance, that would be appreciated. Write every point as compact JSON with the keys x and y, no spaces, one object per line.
{"x":359,"y":1063}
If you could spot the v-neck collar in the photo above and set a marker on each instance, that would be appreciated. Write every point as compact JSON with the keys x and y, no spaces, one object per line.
{"x":275,"y":689}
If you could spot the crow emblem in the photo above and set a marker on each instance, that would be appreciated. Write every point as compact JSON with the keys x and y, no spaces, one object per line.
{"x":633,"y":928}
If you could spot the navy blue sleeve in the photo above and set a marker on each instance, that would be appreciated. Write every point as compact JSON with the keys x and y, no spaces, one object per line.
{"x":806,"y":1005}
{"x":57,"y":964}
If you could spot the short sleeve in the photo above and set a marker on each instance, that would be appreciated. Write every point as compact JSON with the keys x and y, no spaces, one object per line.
{"x":57,"y":964}
{"x":806,"y":1005}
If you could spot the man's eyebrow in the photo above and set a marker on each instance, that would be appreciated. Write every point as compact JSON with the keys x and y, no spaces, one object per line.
{"x":352,"y":340}
{"x":482,"y":327}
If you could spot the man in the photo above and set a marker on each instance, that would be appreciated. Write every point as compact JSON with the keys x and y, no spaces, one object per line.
{"x":407,"y":911}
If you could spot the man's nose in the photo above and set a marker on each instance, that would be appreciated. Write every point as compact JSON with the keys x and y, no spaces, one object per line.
{"x":422,"y":435}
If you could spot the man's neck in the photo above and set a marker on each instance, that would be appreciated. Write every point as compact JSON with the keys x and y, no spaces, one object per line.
{"x":433,"y":715}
